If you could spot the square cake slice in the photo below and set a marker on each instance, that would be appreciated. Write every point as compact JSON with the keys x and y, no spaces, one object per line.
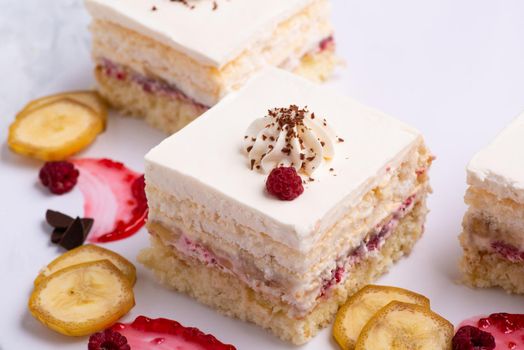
{"x":169,"y":61}
{"x":287,"y":265}
{"x":493,"y":227}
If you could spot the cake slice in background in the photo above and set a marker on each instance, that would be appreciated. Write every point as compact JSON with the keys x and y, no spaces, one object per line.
{"x":218,"y":235}
{"x":493,"y":227}
{"x":169,"y":61}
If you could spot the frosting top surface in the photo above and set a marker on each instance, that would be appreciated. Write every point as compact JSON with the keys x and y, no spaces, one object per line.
{"x":210,"y":153}
{"x":211,"y":36}
{"x":500,"y":165}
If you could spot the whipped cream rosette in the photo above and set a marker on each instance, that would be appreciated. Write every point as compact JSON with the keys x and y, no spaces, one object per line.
{"x":289,"y":136}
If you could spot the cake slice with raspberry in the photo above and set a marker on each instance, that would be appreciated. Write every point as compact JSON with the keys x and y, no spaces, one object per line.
{"x":493,"y":227}
{"x":281,"y":201}
{"x":170,"y":61}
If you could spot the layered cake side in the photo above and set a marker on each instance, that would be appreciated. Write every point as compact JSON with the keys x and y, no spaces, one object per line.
{"x":170,"y":61}
{"x":221,"y":235}
{"x":493,"y":227}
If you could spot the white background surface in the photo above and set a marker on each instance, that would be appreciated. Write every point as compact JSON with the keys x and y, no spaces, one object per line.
{"x":454,"y":69}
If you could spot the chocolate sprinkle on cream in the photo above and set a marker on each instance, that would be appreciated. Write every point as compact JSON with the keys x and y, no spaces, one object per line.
{"x":186,"y":3}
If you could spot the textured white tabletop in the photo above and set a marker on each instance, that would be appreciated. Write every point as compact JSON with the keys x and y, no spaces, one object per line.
{"x":453,"y":69}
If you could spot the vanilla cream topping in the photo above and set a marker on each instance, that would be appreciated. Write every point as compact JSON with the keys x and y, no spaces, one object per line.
{"x":499,"y":168}
{"x":211,"y":36}
{"x":291,"y":136}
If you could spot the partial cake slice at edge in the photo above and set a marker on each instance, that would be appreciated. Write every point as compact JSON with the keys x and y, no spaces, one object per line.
{"x":165,"y":107}
{"x":492,"y":242}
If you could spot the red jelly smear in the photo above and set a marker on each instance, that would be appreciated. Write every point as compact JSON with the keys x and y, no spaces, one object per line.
{"x":507,"y":329}
{"x":162,"y":334}
{"x":114,"y":196}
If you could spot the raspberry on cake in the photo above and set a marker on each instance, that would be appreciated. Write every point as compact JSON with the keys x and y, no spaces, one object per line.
{"x":169,"y":61}
{"x":287,"y":265}
{"x":493,"y":227}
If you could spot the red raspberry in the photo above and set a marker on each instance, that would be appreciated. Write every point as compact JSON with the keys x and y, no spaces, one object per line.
{"x":284,"y":183}
{"x":59,"y":177}
{"x":108,"y":340}
{"x":472,"y":338}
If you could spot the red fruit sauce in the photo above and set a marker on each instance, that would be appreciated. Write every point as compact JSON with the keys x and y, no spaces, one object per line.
{"x":507,"y":329}
{"x":113,"y":196}
{"x":163,"y":334}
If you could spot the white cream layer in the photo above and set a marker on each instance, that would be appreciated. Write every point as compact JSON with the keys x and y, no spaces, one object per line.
{"x":204,"y":162}
{"x":213,"y":37}
{"x":499,"y":168}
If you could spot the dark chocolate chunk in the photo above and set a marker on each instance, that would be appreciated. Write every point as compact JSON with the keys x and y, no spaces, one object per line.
{"x":74,"y":235}
{"x":68,"y":232}
{"x":57,"y":219}
{"x":57,"y":235}
{"x":87,"y":224}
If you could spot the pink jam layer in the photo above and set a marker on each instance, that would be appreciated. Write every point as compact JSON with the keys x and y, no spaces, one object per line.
{"x":373,"y":243}
{"x":327,"y":43}
{"x":507,"y":329}
{"x":106,"y":186}
{"x":163,"y":334}
{"x":508,"y":251}
{"x":149,"y":85}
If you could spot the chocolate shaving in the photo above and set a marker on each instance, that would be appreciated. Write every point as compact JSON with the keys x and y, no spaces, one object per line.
{"x":286,"y":150}
{"x":184,"y":2}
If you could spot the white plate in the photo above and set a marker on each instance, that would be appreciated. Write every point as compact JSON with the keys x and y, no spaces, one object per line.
{"x":452,"y":68}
